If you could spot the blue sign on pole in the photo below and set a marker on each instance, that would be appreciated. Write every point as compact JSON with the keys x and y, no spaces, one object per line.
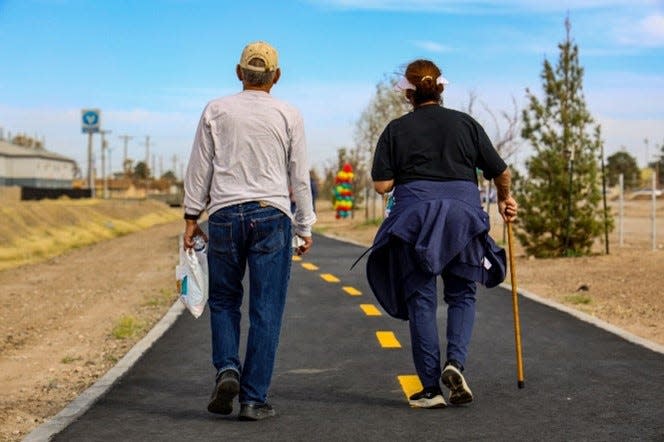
{"x":90,"y":120}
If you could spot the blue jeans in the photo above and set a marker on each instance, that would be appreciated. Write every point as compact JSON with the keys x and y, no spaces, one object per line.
{"x":259,"y":236}
{"x":422,"y":305}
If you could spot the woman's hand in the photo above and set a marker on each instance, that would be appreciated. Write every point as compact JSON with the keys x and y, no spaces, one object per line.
{"x":508,"y":209}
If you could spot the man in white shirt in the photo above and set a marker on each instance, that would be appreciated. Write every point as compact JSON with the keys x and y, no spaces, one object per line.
{"x":248,"y":150}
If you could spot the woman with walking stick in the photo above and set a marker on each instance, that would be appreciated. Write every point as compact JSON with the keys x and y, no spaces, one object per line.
{"x":430,"y":157}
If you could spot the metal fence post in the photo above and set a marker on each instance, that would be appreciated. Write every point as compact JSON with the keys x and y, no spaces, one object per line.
{"x":654,"y":211}
{"x":621,"y":209}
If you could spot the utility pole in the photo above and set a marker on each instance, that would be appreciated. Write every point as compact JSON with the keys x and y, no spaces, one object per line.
{"x":91,"y":178}
{"x":104,"y":146}
{"x":645,"y":141}
{"x":110,"y":166}
{"x":125,"y":139}
{"x":147,"y":155}
{"x":175,"y":166}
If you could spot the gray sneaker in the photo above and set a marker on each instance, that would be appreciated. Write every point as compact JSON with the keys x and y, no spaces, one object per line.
{"x":255,"y":412}
{"x":453,"y":379}
{"x":225,"y":390}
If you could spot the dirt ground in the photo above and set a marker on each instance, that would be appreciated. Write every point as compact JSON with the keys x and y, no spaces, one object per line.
{"x":64,"y":322}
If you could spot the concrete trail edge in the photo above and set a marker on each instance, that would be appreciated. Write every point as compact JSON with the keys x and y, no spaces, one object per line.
{"x":85,"y":400}
{"x":650,"y":345}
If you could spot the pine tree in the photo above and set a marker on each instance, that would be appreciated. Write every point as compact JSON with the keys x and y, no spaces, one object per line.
{"x":560,"y":211}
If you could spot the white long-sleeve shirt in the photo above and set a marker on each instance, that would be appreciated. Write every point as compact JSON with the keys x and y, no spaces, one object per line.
{"x":250,"y":147}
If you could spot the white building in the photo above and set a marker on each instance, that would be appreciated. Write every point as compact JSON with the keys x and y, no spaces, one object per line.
{"x":34,"y":167}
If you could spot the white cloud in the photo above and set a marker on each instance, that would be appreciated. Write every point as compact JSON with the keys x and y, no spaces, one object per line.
{"x":481,"y":6}
{"x":329,"y":111}
{"x":171,"y":132}
{"x":625,"y":95}
{"x":431,"y":46}
{"x":629,"y":107}
{"x":647,"y":32}
{"x":653,"y":26}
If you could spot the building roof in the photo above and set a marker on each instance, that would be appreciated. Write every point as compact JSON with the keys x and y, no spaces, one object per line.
{"x":12,"y":150}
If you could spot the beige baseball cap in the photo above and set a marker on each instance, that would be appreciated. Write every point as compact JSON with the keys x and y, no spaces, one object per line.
{"x":263,"y":51}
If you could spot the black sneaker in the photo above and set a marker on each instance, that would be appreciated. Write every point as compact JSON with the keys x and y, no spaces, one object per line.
{"x":255,"y":412}
{"x":225,"y":390}
{"x":454,"y":380}
{"x":430,"y":397}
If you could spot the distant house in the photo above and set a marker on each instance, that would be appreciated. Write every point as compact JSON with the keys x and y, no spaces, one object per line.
{"x":34,"y":167}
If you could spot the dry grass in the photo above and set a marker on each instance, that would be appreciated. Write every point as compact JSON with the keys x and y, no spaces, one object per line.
{"x":35,"y":230}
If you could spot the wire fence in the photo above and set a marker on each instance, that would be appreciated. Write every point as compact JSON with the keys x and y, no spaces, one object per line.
{"x":638,"y":218}
{"x":638,"y":222}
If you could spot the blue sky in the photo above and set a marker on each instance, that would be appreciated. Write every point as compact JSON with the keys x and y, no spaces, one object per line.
{"x":151,"y":66}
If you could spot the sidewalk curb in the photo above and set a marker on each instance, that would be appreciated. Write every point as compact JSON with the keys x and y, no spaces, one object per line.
{"x":85,"y":400}
{"x":643,"y":342}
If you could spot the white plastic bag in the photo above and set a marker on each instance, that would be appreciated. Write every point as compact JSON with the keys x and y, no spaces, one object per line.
{"x":192,"y":277}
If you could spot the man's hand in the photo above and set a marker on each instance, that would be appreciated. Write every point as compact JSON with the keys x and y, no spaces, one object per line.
{"x":304,"y":248}
{"x":191,"y":230}
{"x":508,"y":209}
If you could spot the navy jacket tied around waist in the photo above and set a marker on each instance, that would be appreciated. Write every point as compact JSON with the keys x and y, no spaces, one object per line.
{"x":434,"y":227}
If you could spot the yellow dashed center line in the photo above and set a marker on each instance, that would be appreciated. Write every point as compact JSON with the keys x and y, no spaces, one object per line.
{"x":410,"y":384}
{"x":370,"y":310}
{"x":309,"y":266}
{"x":329,"y":277}
{"x":387,"y":339}
{"x":351,"y":291}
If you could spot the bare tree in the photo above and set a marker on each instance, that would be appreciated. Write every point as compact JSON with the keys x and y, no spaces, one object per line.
{"x":385,"y":106}
{"x":505,"y":140}
{"x":506,"y":137}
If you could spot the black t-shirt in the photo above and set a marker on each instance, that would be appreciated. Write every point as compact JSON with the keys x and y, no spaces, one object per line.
{"x":436,"y":144}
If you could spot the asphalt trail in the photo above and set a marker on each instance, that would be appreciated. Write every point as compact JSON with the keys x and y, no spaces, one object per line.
{"x":333,"y":381}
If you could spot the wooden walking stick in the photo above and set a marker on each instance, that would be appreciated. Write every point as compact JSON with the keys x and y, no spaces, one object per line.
{"x":515,"y":309}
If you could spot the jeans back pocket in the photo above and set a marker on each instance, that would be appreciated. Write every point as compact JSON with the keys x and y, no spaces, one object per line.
{"x":271,"y":233}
